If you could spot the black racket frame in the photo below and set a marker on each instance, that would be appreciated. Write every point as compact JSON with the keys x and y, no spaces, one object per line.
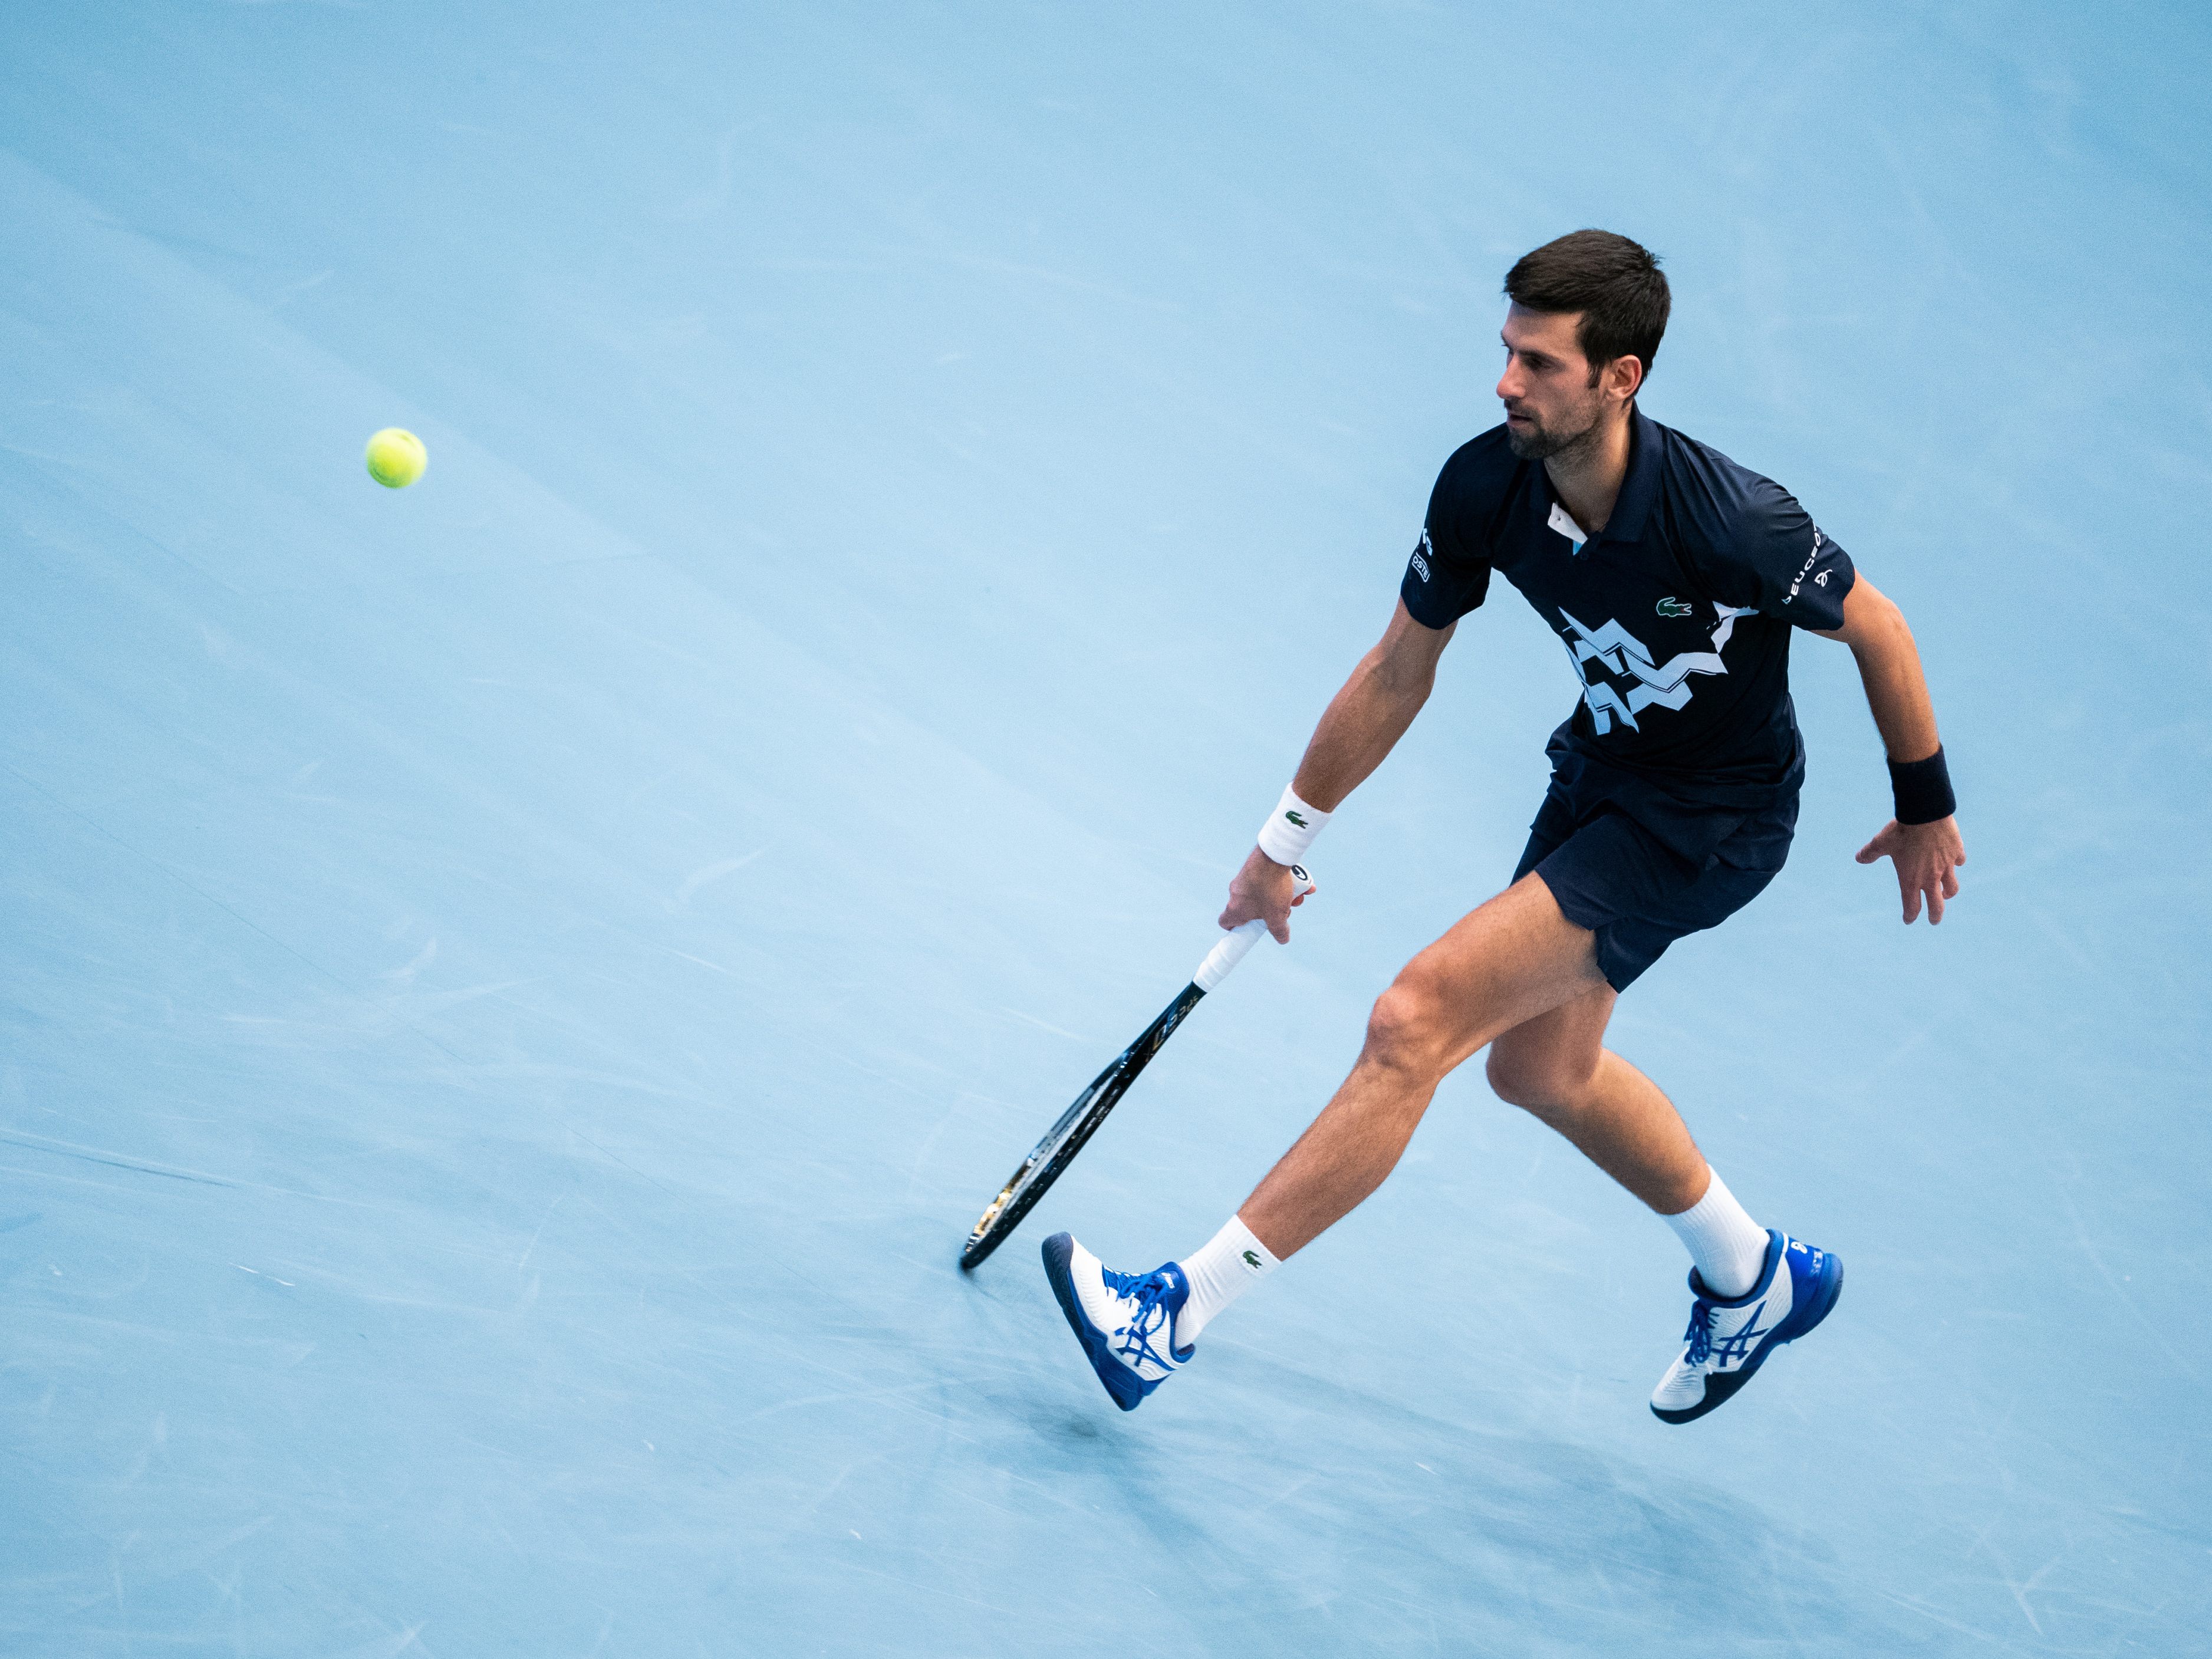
{"x":1051,"y":1155}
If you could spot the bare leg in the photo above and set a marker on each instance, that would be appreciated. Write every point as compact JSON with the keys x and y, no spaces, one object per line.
{"x":1512,"y":961}
{"x":1557,"y":1068}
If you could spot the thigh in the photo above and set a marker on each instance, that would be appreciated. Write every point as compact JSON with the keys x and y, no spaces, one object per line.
{"x":1508,"y":962}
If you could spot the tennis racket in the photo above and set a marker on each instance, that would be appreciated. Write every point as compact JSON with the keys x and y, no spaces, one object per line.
{"x":1051,"y":1155}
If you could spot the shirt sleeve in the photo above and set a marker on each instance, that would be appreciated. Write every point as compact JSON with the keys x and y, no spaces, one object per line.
{"x":1773,"y":559}
{"x":1449,"y":574}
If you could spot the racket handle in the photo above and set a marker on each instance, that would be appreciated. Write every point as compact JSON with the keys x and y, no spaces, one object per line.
{"x":1239,"y":940}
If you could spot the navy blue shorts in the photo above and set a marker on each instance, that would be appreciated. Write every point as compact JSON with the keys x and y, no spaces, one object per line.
{"x":1612,"y":876}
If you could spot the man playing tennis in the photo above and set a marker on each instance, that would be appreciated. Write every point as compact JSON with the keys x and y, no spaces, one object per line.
{"x":1674,"y":577}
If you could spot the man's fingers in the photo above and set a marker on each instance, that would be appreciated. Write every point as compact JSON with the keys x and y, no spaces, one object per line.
{"x":1941,"y":884}
{"x":1923,"y":864}
{"x":1235,"y":917}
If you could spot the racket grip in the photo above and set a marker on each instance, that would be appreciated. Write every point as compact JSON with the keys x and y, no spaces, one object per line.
{"x":1237,"y":942}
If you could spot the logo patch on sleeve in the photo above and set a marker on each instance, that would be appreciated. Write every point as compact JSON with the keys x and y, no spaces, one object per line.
{"x":1811,"y":559}
{"x":1421,"y":564}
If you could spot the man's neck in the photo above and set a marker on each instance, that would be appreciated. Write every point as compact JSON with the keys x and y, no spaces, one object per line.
{"x":1586,"y":475}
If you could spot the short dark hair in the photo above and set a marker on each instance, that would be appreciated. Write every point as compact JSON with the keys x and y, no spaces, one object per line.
{"x":1615,"y":283}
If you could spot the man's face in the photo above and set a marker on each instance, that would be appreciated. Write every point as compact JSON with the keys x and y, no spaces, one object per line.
{"x":1551,"y":399}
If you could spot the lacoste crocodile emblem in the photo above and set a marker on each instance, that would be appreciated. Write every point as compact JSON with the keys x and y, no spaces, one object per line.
{"x":1671,"y":606}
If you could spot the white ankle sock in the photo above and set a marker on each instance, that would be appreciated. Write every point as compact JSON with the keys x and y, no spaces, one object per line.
{"x":1231,"y":1263}
{"x":1728,"y":1247}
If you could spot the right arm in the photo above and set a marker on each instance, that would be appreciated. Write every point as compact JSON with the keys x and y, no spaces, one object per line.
{"x":1362,"y":724}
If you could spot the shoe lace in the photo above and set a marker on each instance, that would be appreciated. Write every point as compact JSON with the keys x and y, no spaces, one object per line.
{"x":1133,"y":1340}
{"x":1699,"y":1336}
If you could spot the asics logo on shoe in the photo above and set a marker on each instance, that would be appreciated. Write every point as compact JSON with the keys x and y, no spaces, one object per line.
{"x":1133,"y":1340}
{"x":1145,"y":1317}
{"x":1734,"y":1349}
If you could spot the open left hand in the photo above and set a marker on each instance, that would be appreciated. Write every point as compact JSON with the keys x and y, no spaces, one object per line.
{"x":1924,"y":854}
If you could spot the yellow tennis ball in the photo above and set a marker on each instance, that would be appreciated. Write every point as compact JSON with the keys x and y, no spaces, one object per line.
{"x":397,"y":457}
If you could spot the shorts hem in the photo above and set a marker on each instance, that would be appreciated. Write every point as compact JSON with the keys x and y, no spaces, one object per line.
{"x":1611,"y":965}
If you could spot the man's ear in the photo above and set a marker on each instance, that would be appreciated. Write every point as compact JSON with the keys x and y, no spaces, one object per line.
{"x":1625,"y":375}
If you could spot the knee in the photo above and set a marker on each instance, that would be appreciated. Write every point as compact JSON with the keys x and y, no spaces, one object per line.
{"x":1536,"y":1083}
{"x":1408,"y":1030}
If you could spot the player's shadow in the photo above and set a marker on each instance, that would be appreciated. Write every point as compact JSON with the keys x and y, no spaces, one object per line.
{"x":1296,"y":1502}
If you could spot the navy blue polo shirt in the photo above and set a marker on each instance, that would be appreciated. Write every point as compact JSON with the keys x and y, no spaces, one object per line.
{"x":1677,"y":620}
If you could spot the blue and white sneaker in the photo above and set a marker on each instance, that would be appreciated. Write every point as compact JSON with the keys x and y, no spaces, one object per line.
{"x":1124,"y":1322}
{"x":1729,"y":1338}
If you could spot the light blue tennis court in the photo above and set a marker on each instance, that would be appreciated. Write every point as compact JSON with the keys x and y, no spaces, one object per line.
{"x":516,"y":989}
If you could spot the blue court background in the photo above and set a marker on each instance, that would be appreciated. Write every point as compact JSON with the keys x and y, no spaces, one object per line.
{"x":516,"y":989}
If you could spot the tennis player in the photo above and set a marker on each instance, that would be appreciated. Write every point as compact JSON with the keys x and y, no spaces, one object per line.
{"x":1674,"y":577}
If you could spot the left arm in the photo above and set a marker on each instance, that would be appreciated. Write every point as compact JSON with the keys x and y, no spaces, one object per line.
{"x":1925,"y":855}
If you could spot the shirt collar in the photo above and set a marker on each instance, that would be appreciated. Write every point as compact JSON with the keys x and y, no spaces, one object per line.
{"x":1641,"y":486}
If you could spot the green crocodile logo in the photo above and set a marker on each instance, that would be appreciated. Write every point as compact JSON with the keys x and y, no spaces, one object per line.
{"x":1296,"y":819}
{"x":1252,"y":1261}
{"x":1671,"y":606}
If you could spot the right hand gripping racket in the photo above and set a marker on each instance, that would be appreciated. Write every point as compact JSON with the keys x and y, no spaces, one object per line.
{"x":1080,"y":1121}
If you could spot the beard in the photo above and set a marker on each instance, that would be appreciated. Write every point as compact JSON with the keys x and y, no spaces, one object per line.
{"x":1540,"y":442}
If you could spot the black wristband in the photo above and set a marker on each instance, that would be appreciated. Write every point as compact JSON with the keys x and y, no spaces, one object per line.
{"x":1921,"y":789}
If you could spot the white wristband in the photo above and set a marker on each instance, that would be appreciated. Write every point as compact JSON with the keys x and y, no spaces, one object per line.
{"x":1290,"y":828}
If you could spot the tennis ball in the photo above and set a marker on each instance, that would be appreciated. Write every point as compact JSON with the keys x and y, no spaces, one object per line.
{"x":397,"y":457}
